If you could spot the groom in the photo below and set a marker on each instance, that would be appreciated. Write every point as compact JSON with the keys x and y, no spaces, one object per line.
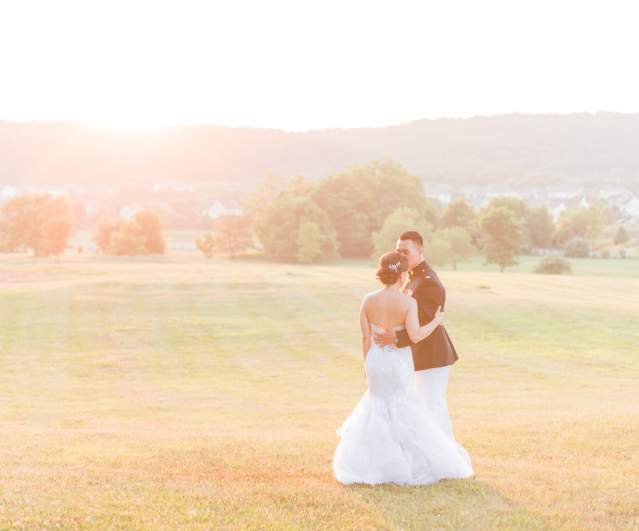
{"x":433,"y":356}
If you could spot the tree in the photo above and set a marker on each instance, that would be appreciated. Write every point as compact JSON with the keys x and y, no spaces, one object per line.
{"x":233,"y":233}
{"x":206,"y":243}
{"x":126,"y":240}
{"x":40,"y":222}
{"x":519,"y":210}
{"x":265,"y":193}
{"x":151,"y":228}
{"x":140,"y":235}
{"x":439,"y":250}
{"x":458,"y":213}
{"x":309,"y":242}
{"x":280,"y":222}
{"x":621,"y":236}
{"x":102,"y":235}
{"x":460,"y":244}
{"x":55,"y":232}
{"x":449,"y":246}
{"x":609,"y":213}
{"x":539,"y":227}
{"x":359,"y":200}
{"x":516,"y":205}
{"x":582,"y":222}
{"x":402,"y":220}
{"x":502,"y":236}
{"x":577,"y":248}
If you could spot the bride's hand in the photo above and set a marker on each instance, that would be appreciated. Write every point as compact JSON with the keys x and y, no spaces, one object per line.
{"x":439,"y":315}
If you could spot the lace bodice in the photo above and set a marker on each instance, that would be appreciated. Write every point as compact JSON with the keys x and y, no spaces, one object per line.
{"x":375,"y":328}
{"x":389,"y":369}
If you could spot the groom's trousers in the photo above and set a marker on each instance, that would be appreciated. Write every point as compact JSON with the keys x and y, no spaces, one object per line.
{"x":430,"y":385}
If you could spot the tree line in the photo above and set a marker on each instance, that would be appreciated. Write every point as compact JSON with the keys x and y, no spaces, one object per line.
{"x":360,"y":212}
{"x":354,"y":214}
{"x":43,"y":224}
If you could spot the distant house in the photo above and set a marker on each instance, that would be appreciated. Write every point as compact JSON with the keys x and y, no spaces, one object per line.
{"x":443,"y":197}
{"x":631,"y":209}
{"x":556,"y":211}
{"x":8,"y":192}
{"x":177,"y":186}
{"x":217,"y":209}
{"x":130,"y":210}
{"x":612,"y":192}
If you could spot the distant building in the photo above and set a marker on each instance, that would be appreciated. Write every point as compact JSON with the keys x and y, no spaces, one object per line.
{"x":217,"y":209}
{"x":556,"y":211}
{"x":8,"y":192}
{"x":173,"y":185}
{"x":631,"y":209}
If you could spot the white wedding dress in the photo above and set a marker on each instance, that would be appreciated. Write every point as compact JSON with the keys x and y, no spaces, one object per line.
{"x":390,"y":436}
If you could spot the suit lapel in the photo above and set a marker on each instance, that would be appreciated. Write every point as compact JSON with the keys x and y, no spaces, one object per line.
{"x":421,"y":273}
{"x":413,"y":284}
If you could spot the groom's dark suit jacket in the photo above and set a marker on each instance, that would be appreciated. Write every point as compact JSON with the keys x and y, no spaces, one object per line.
{"x":437,"y":349}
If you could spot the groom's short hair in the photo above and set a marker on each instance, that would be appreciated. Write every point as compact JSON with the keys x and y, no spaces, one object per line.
{"x":414,"y":236}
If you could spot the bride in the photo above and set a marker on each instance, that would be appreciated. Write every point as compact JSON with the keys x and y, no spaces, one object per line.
{"x":389,"y":437}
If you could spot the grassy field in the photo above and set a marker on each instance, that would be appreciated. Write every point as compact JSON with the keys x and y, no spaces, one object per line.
{"x":174,"y":392}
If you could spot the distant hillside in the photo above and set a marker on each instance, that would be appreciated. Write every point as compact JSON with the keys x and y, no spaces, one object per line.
{"x":513,"y":149}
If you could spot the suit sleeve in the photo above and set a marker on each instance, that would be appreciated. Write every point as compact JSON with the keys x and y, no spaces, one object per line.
{"x":402,"y":339}
{"x":429,"y":296}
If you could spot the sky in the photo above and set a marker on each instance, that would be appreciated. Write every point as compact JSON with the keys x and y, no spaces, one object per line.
{"x":301,"y":65}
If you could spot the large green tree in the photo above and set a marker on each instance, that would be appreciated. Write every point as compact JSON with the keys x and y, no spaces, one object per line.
{"x":401,"y":220}
{"x":233,"y":233}
{"x":621,"y":236}
{"x":359,"y":200}
{"x":581,"y":222}
{"x":539,"y":227}
{"x":502,"y":237}
{"x":451,"y":246}
{"x":458,"y":213}
{"x":309,"y":242}
{"x":516,"y":205}
{"x":278,"y":224}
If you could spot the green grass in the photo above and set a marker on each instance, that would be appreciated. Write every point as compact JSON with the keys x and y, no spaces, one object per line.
{"x":175,"y":392}
{"x":580,"y":266}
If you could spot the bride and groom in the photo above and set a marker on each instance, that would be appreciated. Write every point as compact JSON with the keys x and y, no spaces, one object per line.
{"x":400,"y":430}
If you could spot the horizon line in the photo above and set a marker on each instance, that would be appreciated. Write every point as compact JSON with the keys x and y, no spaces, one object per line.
{"x":107,"y":125}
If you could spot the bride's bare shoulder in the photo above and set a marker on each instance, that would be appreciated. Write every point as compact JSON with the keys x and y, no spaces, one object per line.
{"x":408,"y":300}
{"x":369,"y":296}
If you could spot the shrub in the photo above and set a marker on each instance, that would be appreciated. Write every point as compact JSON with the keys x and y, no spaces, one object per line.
{"x":553,"y":265}
{"x":577,"y":248}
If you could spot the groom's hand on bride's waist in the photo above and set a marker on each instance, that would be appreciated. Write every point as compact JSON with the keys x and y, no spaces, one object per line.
{"x":385,"y":338}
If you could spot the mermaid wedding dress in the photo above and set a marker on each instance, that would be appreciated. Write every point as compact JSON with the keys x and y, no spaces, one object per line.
{"x":389,"y":437}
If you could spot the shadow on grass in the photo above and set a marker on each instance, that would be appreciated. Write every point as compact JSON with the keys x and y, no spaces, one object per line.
{"x":449,"y":504}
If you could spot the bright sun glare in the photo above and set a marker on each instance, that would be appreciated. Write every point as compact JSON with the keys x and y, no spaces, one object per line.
{"x":295,"y":65}
{"x":134,"y":122}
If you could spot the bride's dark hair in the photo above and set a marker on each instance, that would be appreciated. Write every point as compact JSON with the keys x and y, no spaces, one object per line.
{"x":391,"y":267}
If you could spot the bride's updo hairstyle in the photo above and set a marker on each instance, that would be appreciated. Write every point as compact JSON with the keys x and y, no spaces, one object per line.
{"x":391,"y":267}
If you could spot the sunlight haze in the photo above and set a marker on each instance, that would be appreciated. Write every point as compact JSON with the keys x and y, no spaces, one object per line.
{"x":310,"y":65}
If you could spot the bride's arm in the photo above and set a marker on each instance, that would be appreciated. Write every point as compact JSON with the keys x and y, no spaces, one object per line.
{"x":366,"y":328}
{"x":416,"y":332}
